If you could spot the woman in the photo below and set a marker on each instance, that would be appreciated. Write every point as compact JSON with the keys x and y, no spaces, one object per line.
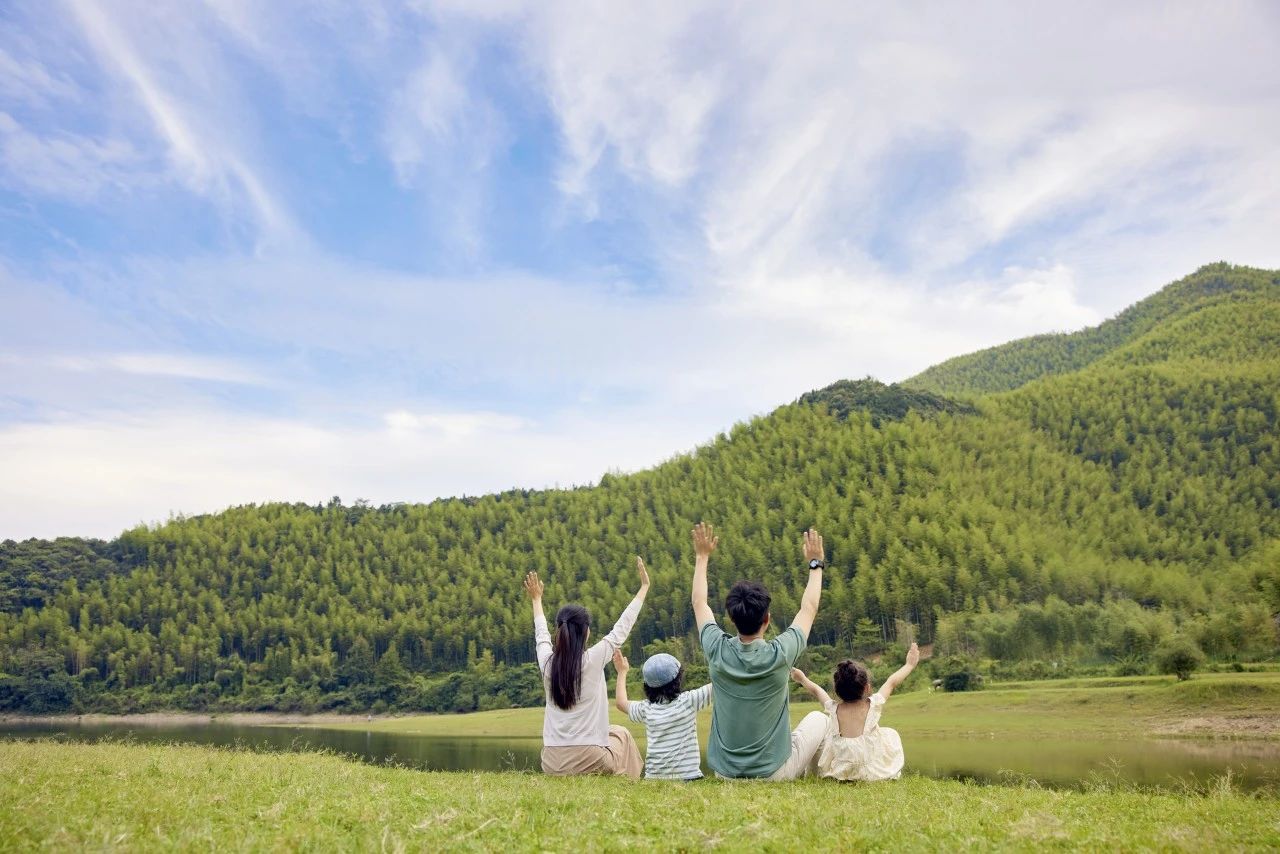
{"x":576,"y":735}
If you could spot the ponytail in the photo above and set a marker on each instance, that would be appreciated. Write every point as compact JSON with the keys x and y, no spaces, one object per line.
{"x":572,"y":622}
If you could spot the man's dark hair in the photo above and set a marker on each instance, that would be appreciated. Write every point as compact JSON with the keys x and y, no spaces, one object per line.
{"x":665,"y":693}
{"x":851,"y":680}
{"x":748,"y":605}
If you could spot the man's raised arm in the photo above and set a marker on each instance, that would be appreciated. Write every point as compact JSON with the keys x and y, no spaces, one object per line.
{"x":704,"y":543}
{"x":815,"y":560}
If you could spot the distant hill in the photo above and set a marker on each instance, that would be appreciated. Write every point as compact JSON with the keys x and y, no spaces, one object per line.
{"x":1076,"y":500}
{"x":1219,"y":288}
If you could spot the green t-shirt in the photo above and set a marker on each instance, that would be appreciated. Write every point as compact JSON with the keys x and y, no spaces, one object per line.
{"x":750,"y":725}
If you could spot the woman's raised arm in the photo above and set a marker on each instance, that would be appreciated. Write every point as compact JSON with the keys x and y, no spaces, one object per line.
{"x":622,"y":628}
{"x":541,"y":636}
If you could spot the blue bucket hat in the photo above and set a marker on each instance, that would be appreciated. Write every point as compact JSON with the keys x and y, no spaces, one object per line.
{"x":660,"y":669}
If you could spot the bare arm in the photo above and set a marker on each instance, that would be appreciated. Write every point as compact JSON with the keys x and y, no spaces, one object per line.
{"x":620,"y":692}
{"x":704,"y":543}
{"x":900,"y":675}
{"x":812,"y":687}
{"x":813,"y":550}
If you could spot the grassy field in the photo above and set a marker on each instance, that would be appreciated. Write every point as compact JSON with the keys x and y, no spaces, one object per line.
{"x":1229,"y":705}
{"x":135,"y":797}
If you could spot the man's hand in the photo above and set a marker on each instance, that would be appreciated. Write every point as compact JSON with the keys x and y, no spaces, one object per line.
{"x":644,"y":574}
{"x":813,"y":588}
{"x":620,"y":662}
{"x":813,"y":546}
{"x":533,"y":586}
{"x":704,"y":540}
{"x":913,"y":655}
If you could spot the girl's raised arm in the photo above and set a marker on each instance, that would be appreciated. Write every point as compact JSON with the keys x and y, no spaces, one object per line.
{"x":812,"y":687}
{"x":900,"y":675}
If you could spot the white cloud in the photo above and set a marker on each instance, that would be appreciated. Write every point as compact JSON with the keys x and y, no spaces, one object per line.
{"x":779,"y":123}
{"x":453,"y":425}
{"x":65,"y":165}
{"x":25,"y":80}
{"x":175,"y":365}
{"x":95,"y":477}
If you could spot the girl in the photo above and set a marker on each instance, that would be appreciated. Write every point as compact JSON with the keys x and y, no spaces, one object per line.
{"x":576,"y":735}
{"x":669,"y":715}
{"x":855,"y":746}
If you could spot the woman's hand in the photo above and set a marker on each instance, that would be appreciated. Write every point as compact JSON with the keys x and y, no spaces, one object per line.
{"x":704,"y":540}
{"x":533,"y":586}
{"x":798,"y":675}
{"x":644,"y":575}
{"x":620,"y":662}
{"x":913,"y":655}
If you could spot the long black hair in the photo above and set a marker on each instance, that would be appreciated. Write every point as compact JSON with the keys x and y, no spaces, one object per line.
{"x":572,"y":622}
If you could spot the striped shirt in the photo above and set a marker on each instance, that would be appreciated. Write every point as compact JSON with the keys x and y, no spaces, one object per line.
{"x":672,"y":732}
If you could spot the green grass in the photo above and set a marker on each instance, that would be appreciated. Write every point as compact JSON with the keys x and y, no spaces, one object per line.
{"x":57,"y":796}
{"x":1104,"y":707}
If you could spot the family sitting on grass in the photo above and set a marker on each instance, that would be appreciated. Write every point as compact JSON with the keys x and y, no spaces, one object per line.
{"x":751,"y":735}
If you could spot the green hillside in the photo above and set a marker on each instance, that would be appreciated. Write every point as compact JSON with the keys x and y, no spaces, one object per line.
{"x":1221,"y":290}
{"x":1127,"y":496}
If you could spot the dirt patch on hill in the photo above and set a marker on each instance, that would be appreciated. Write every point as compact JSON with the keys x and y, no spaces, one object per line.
{"x":1222,"y":726}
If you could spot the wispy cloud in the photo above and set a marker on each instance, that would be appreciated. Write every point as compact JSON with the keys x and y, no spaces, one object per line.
{"x":204,"y":157}
{"x":179,"y":366}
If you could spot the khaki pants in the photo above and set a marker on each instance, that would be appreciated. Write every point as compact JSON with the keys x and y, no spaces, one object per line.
{"x":621,"y":757}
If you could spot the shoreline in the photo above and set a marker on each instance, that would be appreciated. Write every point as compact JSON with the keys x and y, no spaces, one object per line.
{"x":199,"y":718}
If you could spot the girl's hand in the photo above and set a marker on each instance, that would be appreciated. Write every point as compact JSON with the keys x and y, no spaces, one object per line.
{"x":644,"y":574}
{"x":913,"y":655}
{"x":533,"y":586}
{"x":620,"y":662}
{"x":798,"y":675}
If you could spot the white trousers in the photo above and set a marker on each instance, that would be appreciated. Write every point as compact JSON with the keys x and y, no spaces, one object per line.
{"x":806,"y":740}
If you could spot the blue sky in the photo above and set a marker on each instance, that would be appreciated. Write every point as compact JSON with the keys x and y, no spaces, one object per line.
{"x":282,"y":251}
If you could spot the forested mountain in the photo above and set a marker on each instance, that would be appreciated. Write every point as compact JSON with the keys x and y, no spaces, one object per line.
{"x":1130,"y":493}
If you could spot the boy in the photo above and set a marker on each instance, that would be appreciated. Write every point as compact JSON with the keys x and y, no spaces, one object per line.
{"x":670,"y":716}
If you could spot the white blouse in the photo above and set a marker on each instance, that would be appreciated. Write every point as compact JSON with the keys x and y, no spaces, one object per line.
{"x":588,"y":721}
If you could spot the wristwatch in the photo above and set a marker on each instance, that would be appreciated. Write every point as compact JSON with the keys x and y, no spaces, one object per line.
{"x":817,"y":563}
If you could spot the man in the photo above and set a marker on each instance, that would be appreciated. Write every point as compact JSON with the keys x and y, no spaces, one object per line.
{"x":750,"y":729}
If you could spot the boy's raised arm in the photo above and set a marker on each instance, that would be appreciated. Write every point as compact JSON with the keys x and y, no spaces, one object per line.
{"x":900,"y":675}
{"x":813,"y":551}
{"x":704,"y":543}
{"x":621,"y":664}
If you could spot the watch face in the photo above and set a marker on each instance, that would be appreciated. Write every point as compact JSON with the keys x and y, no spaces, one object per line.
{"x":815,"y":563}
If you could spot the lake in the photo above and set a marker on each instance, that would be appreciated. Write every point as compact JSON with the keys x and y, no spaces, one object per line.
{"x":1071,"y":763}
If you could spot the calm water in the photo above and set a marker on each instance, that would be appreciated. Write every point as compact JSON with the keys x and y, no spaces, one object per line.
{"x":1069,"y":763}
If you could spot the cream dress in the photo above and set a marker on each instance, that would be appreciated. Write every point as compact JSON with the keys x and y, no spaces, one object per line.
{"x":874,"y":755}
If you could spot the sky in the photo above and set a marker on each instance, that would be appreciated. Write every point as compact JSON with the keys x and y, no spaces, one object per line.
{"x":281,"y":251}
